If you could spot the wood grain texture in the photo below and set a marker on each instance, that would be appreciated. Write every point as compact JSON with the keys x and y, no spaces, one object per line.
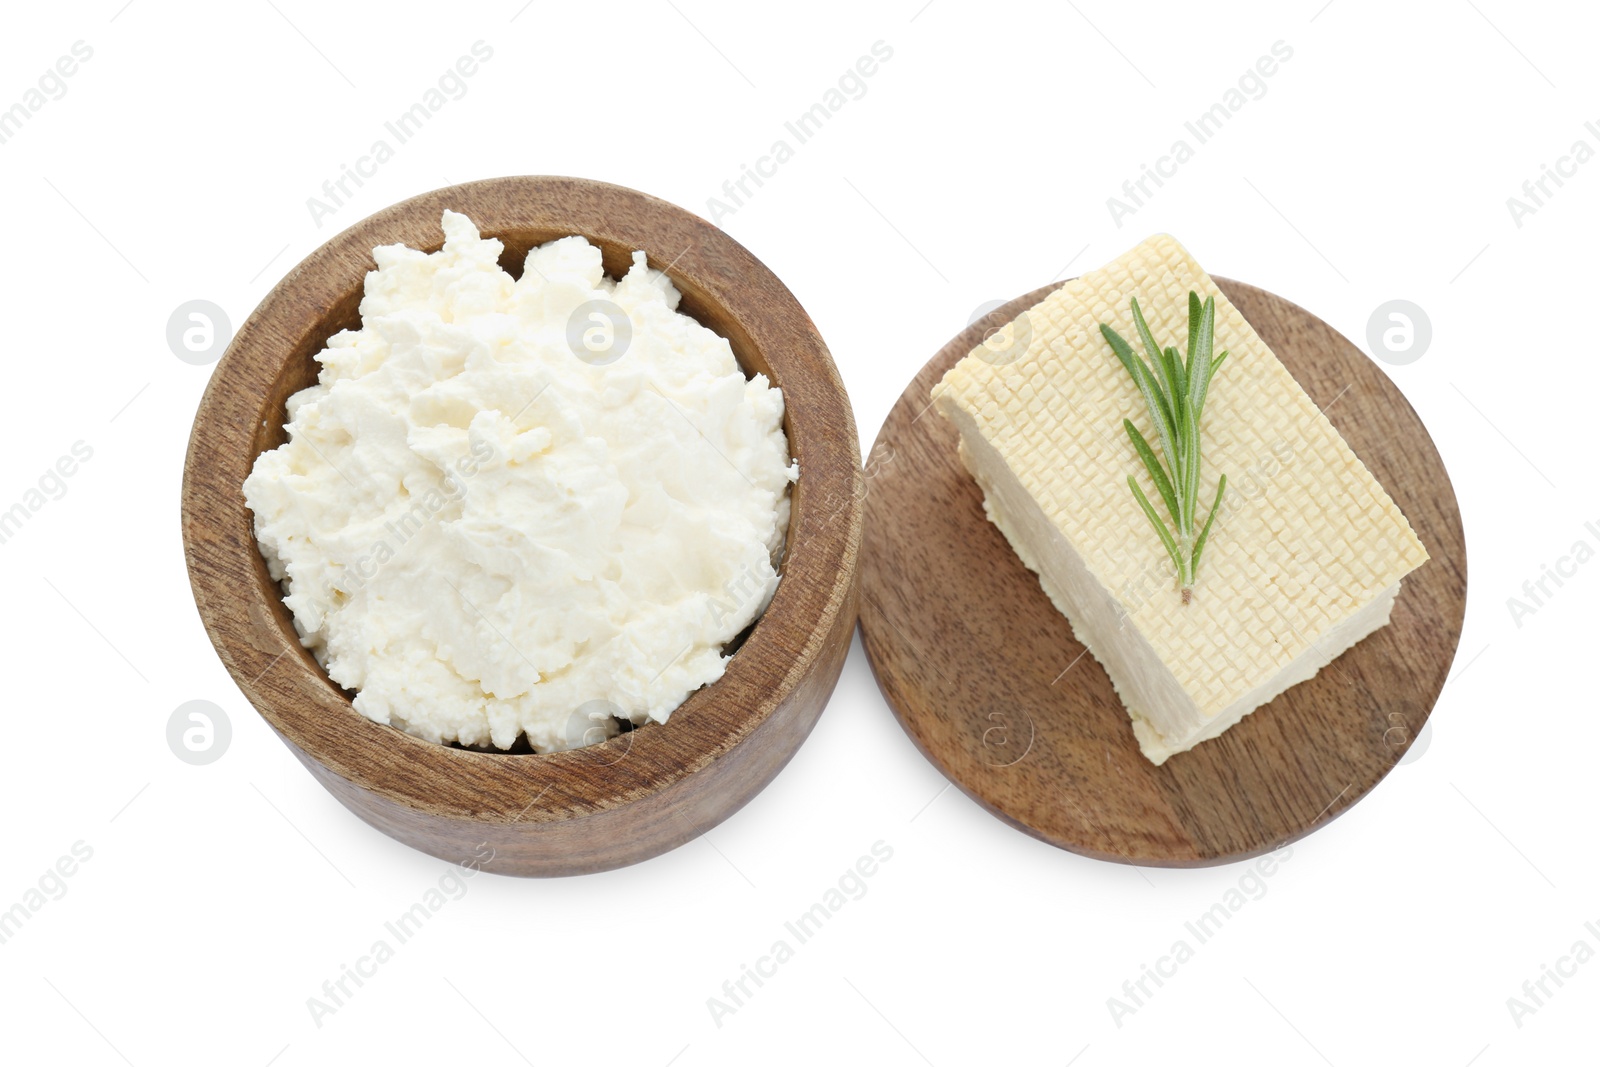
{"x":589,"y":809}
{"x":986,"y":678}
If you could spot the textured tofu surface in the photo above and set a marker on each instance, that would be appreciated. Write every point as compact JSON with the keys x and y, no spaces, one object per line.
{"x":1305,"y":555}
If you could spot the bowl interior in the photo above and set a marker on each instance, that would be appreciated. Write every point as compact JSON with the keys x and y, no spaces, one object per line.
{"x":300,"y":369}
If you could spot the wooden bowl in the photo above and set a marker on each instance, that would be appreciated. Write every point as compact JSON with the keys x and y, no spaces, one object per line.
{"x":642,"y":792}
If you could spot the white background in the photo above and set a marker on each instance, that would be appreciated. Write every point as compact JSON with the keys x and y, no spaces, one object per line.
{"x":976,"y":167}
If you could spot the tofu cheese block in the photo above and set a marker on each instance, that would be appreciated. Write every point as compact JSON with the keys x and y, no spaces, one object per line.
{"x":1307,"y":552}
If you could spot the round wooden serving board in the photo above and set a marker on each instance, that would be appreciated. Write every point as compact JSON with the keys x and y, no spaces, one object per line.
{"x":985,"y":675}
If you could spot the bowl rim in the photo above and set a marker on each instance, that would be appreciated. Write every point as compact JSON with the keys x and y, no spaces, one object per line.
{"x":242,"y":609}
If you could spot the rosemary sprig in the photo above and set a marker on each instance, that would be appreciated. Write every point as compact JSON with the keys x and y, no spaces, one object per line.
{"x":1174,"y":389}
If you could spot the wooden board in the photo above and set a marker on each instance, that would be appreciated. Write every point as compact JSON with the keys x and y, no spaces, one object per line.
{"x":589,"y":809}
{"x":985,"y":675}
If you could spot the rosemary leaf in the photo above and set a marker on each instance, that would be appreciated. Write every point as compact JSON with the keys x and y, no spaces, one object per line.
{"x":1162,"y":361}
{"x":1169,"y":385}
{"x":1150,"y":389}
{"x":1180,"y":476}
{"x":1153,"y":465}
{"x":1205,"y":386}
{"x":1203,"y":347}
{"x":1143,"y":327}
{"x":1194,"y":326}
{"x":1205,"y":531}
{"x":1191,"y":471}
{"x":1208,"y":325}
{"x":1155,"y":520}
{"x":1180,"y":373}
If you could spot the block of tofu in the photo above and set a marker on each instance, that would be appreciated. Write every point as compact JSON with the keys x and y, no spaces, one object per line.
{"x":1307,"y":552}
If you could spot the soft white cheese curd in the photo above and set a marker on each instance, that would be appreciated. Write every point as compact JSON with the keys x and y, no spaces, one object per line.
{"x":524,"y":506}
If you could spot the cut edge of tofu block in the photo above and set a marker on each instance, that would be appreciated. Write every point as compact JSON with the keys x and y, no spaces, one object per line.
{"x":1166,"y":720}
{"x":1322,"y":651}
